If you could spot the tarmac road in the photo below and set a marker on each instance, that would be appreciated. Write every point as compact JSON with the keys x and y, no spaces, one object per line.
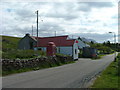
{"x":75,"y":75}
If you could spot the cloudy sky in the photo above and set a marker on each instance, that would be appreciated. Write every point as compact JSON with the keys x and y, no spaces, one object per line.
{"x":91,"y":20}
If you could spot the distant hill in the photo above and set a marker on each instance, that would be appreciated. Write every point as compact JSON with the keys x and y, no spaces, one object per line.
{"x":9,"y":42}
{"x":88,"y":40}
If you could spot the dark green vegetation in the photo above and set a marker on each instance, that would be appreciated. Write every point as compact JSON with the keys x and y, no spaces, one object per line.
{"x":114,"y":46}
{"x":102,"y":49}
{"x":10,"y":51}
{"x":109,"y":77}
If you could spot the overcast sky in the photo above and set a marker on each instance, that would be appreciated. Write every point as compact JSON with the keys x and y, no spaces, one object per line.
{"x":91,"y":20}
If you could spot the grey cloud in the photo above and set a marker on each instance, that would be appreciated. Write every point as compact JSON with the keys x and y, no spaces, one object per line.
{"x":49,"y":29}
{"x":87,"y":6}
{"x":93,"y":21}
{"x":62,"y":10}
{"x":64,"y":16}
{"x":100,"y":4}
{"x":24,"y":14}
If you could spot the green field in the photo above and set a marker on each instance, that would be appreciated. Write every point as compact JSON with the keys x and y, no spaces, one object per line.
{"x":9,"y":43}
{"x":109,"y":77}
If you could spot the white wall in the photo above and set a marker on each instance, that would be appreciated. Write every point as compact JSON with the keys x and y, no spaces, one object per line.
{"x":62,"y":50}
{"x":65,"y":50}
{"x":69,"y":50}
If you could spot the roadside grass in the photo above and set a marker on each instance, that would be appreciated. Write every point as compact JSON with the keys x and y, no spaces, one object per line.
{"x":109,"y":77}
{"x":44,"y":66}
{"x":99,"y":56}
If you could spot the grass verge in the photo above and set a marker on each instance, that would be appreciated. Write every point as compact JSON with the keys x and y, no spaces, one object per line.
{"x":99,"y":56}
{"x":109,"y":77}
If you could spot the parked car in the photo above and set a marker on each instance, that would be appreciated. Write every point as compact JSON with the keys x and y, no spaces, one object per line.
{"x":89,"y":52}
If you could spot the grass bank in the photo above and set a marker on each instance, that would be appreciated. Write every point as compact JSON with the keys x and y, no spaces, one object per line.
{"x":109,"y":77}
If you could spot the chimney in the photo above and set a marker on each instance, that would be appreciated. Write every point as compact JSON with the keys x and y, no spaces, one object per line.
{"x":27,"y":34}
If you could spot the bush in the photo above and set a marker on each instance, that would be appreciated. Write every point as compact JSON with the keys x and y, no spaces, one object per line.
{"x":102,"y":49}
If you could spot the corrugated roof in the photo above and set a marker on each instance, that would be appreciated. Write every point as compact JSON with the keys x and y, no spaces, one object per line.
{"x":58,"y":40}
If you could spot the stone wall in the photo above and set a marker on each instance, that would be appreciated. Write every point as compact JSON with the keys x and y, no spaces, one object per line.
{"x":16,"y":64}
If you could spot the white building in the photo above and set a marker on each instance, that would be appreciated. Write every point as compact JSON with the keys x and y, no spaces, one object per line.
{"x":63,"y":44}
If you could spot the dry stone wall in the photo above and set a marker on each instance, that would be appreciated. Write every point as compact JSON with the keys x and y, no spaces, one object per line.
{"x":16,"y":64}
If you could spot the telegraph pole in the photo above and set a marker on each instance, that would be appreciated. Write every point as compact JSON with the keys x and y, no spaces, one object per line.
{"x":37,"y":29}
{"x":55,"y":33}
{"x":115,"y":44}
{"x":72,"y":36}
{"x":32,"y":30}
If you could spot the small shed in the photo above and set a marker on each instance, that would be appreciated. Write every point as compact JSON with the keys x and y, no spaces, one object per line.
{"x":89,"y":52}
{"x":27,"y":42}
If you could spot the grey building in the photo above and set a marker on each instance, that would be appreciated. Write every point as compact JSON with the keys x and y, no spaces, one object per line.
{"x":27,"y":42}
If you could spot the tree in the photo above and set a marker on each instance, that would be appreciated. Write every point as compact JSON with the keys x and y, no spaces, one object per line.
{"x":92,"y":42}
{"x":104,"y":43}
{"x":108,"y":43}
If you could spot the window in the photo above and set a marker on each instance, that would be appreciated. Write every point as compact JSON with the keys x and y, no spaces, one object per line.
{"x":39,"y":48}
{"x":59,"y":49}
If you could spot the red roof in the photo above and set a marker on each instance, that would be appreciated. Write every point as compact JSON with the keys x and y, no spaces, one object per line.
{"x":58,"y":40}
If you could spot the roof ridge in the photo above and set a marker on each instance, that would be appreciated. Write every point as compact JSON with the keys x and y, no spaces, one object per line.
{"x":51,"y":36}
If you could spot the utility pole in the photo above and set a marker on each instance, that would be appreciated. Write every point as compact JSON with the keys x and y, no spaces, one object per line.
{"x":115,"y":44}
{"x":72,"y":36}
{"x":55,"y":33}
{"x":37,"y":29}
{"x":32,"y":30}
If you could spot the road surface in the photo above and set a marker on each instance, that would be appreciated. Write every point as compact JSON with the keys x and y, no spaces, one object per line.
{"x":75,"y":75}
